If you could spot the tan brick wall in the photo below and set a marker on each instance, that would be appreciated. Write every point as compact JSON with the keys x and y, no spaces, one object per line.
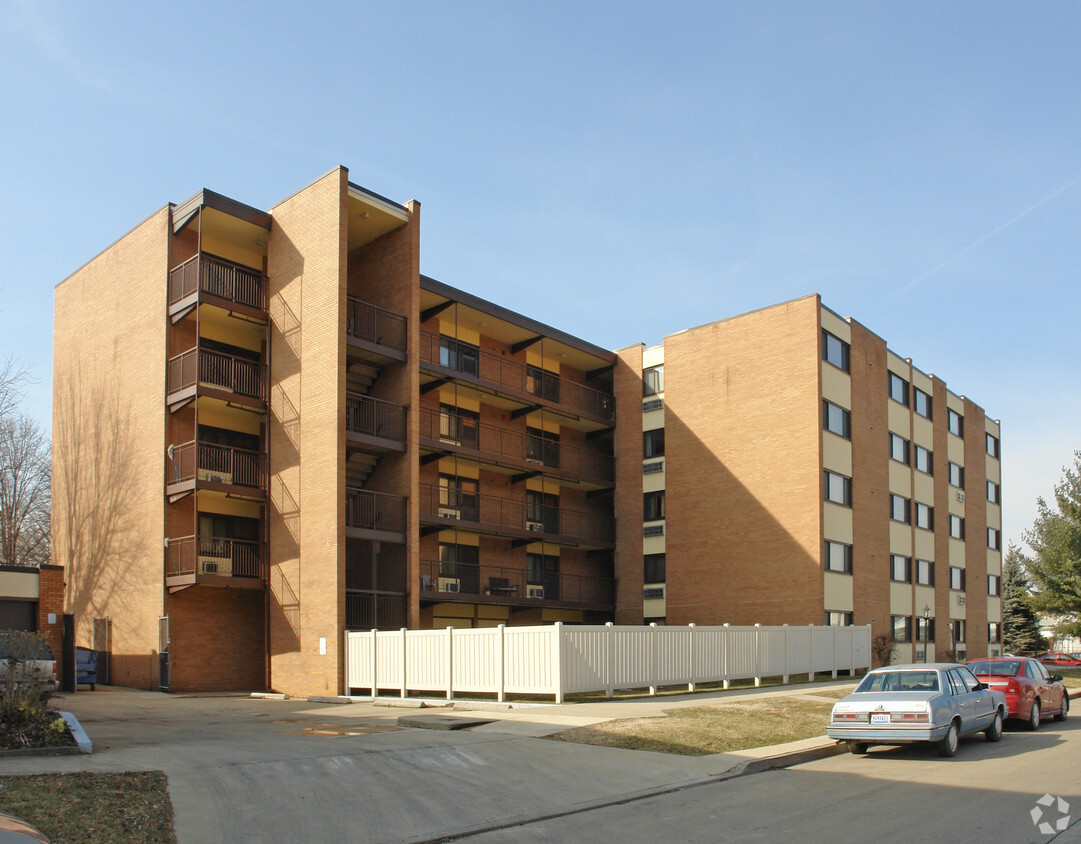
{"x":306,"y":268}
{"x":217,"y":640}
{"x":627,"y":380}
{"x":975,"y":530}
{"x":109,"y":353}
{"x":51,"y":601}
{"x":742,"y":442}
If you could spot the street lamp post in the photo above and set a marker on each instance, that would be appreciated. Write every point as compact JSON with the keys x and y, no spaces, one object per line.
{"x":926,"y":632}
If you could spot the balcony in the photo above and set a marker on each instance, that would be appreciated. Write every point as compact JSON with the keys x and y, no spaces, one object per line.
{"x":443,"y":581}
{"x":374,"y":515}
{"x":215,"y":561}
{"x":369,"y":610}
{"x":374,"y":422}
{"x":525,"y":383}
{"x":233,"y":471}
{"x":206,"y":278}
{"x":462,"y":435}
{"x":511,"y":517}
{"x":201,"y":371}
{"x":375,"y":331}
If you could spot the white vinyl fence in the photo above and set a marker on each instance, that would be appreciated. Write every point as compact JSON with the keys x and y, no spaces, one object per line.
{"x":559,"y":660}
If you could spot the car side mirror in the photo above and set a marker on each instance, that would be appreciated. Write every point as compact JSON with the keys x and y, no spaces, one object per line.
{"x":981,"y":687}
{"x":1056,"y":678}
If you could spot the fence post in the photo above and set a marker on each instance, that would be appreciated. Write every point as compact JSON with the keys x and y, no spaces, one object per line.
{"x":690,"y":655}
{"x":608,"y":684}
{"x":725,"y":650}
{"x":501,"y":693}
{"x":450,"y":662}
{"x":375,"y":675}
{"x":834,"y":630}
{"x":405,"y":663}
{"x":557,"y":660}
{"x":757,"y":656}
{"x":653,"y":657}
{"x":852,"y":654}
{"x":811,"y":655}
{"x":786,"y":643}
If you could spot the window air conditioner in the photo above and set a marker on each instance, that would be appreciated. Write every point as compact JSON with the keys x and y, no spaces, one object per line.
{"x":535,"y":526}
{"x":535,"y":591}
{"x":210,"y":568}
{"x":450,"y":584}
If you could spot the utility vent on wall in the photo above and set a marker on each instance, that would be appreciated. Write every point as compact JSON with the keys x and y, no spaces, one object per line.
{"x":960,"y":496}
{"x":652,"y":404}
{"x":960,"y":599}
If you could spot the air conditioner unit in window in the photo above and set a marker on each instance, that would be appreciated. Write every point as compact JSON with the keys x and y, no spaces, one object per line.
{"x":535,"y":591}
{"x":535,"y":526}
{"x":210,"y":568}
{"x":450,"y":584}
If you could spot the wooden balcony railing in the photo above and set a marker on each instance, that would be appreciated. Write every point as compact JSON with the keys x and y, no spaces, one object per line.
{"x":524,"y":380}
{"x":218,"y":463}
{"x":209,"y":274}
{"x":377,"y":325}
{"x":374,"y":510}
{"x":513,"y":585}
{"x":497,"y":514}
{"x":194,"y":555}
{"x":496,"y":443}
{"x":366,"y":610}
{"x":374,"y":417}
{"x":216,"y":369}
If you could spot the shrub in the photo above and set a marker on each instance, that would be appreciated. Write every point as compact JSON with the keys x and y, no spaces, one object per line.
{"x":25,"y":687}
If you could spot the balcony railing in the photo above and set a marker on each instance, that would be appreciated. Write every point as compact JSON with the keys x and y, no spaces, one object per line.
{"x":374,"y":510}
{"x":195,"y":555}
{"x":374,"y":417}
{"x":218,"y":464}
{"x":504,"y":373}
{"x":217,"y":277}
{"x":496,"y":443}
{"x":377,"y":325}
{"x":374,"y":610}
{"x":497,"y":514}
{"x":510,"y":585}
{"x":216,"y":369}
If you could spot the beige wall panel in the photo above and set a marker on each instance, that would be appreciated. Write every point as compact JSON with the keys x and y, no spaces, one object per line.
{"x":923,"y":488}
{"x":835,"y":325}
{"x":900,"y":479}
{"x":653,"y":482}
{"x":900,"y":599}
{"x":653,"y":419}
{"x":18,"y":584}
{"x":653,"y":608}
{"x":837,"y":592}
{"x":900,"y":538}
{"x":900,"y":418}
{"x":957,"y":553}
{"x":837,"y":454}
{"x":955,"y":450}
{"x":923,"y":432}
{"x":837,"y":523}
{"x":651,"y":545}
{"x":653,"y":356}
{"x":836,"y":385}
{"x":923,"y":596}
{"x":924,"y":545}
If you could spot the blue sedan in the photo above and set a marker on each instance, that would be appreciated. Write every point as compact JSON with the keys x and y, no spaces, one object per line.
{"x":902,"y":704}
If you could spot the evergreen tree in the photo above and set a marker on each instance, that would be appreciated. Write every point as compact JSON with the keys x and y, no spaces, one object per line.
{"x":1020,"y":630}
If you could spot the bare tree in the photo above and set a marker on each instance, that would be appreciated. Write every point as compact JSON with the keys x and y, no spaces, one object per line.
{"x":12,"y":379}
{"x":25,"y":492}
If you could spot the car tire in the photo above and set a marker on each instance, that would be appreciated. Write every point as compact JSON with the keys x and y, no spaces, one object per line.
{"x":1033,"y":722}
{"x":947,"y":746}
{"x":1064,"y":710}
{"x":857,"y":748}
{"x":994,"y":732}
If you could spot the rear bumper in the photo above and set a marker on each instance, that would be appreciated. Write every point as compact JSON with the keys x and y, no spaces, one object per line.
{"x":892,"y":734}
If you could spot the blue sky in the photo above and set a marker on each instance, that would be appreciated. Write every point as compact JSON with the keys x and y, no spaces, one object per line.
{"x":915,"y":163}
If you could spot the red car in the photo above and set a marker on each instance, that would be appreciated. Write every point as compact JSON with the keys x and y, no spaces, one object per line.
{"x":1060,"y":659}
{"x":1031,"y":693}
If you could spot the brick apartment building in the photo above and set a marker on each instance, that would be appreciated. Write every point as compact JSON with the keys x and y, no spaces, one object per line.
{"x":270,"y":428}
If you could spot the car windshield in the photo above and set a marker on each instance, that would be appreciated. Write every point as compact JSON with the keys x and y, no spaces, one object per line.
{"x":899,"y":681}
{"x":1005,"y":668}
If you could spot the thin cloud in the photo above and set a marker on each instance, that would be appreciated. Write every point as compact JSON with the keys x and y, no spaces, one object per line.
{"x":979,"y":242}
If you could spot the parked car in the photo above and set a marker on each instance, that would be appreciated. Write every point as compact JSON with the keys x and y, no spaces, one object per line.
{"x":1070,"y":660}
{"x":903,"y":704}
{"x":1031,"y":692}
{"x":27,"y":658}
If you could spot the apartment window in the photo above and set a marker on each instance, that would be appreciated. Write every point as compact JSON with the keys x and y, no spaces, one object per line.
{"x":653,"y":443}
{"x":541,"y":382}
{"x":924,"y":460}
{"x":957,"y":527}
{"x":994,"y":539}
{"x":459,"y":356}
{"x":992,"y":445}
{"x":900,"y":568}
{"x":653,"y":510}
{"x":994,"y":631}
{"x":955,"y":422}
{"x":902,"y":628}
{"x":541,"y":446}
{"x":542,"y":511}
{"x":838,"y":489}
{"x":925,"y":629}
{"x":654,"y":568}
{"x":543,"y":570}
{"x":994,"y":584}
{"x":653,"y":380}
{"x":461,"y":563}
{"x":925,"y":516}
{"x":835,"y":618}
{"x":834,"y":350}
{"x":459,"y":426}
{"x":898,"y":389}
{"x":459,"y":498}
{"x":836,"y":419}
{"x":900,"y":509}
{"x":959,"y":631}
{"x":921,"y":402}
{"x":838,"y":557}
{"x":956,"y":475}
{"x":957,"y":578}
{"x":925,"y":572}
{"x":994,"y":491}
{"x":898,"y":448}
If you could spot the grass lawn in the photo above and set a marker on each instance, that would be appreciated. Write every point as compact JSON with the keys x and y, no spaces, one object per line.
{"x":93,"y":807}
{"x":719,"y":728}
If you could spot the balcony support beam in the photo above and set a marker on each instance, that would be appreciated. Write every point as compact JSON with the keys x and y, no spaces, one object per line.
{"x":435,"y":310}
{"x":524,"y":411}
{"x":599,"y":371}
{"x":433,"y":457}
{"x":433,"y":385}
{"x":521,"y":345}
{"x":524,"y":476}
{"x":600,"y":432}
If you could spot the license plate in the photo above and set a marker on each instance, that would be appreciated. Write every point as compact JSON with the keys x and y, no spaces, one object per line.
{"x":880,"y":717}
